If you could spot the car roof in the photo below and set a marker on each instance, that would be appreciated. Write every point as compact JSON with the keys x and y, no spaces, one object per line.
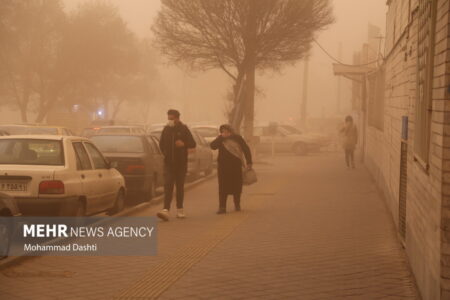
{"x":121,"y":126}
{"x":120,"y":134}
{"x":43,"y":137}
{"x":13,"y":125}
{"x":205,"y":126}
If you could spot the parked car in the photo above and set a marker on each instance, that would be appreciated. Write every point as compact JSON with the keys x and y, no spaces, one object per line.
{"x":35,"y":129}
{"x":59,"y":175}
{"x":118,"y":129}
{"x":209,"y":133}
{"x":200,"y":159}
{"x":8,"y":208}
{"x":283,"y":141}
{"x":321,"y":139}
{"x":138,"y":159}
{"x":90,"y":131}
{"x":44,"y":130}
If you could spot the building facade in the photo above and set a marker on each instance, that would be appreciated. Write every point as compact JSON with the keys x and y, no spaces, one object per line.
{"x":403,"y":105}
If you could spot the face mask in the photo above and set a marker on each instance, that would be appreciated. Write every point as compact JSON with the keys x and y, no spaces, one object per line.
{"x":171,"y":123}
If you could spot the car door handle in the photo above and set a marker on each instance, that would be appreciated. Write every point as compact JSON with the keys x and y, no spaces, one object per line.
{"x":82,"y":176}
{"x":100,"y":175}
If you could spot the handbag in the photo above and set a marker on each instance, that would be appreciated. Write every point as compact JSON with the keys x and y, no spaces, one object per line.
{"x":249,"y":177}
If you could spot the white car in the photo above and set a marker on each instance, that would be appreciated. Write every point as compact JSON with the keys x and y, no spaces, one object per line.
{"x":209,"y":133}
{"x":59,"y":175}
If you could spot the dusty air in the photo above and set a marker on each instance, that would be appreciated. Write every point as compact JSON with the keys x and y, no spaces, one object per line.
{"x":225,"y":149}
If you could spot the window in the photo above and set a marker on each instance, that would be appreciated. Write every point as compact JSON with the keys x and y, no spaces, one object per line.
{"x":31,"y":152}
{"x":97,"y":157}
{"x":152,"y":145}
{"x":207,"y":132}
{"x":155,"y":140}
{"x":83,"y":162}
{"x":202,"y":140}
{"x":118,"y":143}
{"x":425,"y":62}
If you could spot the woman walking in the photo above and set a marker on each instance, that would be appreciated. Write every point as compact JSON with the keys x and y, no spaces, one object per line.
{"x":234,"y":157}
{"x":349,"y":140}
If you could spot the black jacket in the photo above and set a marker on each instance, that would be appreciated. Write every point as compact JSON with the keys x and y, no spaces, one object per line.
{"x":176,"y":157}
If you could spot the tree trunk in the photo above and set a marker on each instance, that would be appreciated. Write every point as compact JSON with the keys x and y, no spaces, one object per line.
{"x":250,"y":49}
{"x":45,"y":107}
{"x":249,"y":104}
{"x":237,"y":114}
{"x":23,"y":103}
{"x":23,"y":114}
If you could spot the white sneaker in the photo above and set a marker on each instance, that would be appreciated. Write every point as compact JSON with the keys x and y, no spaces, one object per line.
{"x":180,"y":213}
{"x":163,"y":215}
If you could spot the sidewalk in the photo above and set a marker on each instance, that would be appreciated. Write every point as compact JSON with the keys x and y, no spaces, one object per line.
{"x":310,"y":229}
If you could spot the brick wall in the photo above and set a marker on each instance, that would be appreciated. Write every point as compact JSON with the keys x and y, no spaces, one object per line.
{"x":441,"y":133}
{"x":427,"y":239}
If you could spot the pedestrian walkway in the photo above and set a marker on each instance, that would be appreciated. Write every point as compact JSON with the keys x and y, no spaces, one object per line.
{"x":310,"y":229}
{"x":313,"y":230}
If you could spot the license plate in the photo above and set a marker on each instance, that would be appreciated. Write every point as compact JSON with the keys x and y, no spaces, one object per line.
{"x":13,"y":187}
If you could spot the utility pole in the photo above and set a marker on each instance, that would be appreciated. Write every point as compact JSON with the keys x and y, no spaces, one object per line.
{"x":304,"y":103}
{"x":338,"y":102}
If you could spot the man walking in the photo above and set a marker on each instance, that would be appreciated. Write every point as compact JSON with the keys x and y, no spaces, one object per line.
{"x":175,"y":141}
{"x":349,"y":135}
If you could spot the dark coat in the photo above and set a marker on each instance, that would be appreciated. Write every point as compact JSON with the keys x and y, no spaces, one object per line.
{"x":175,"y":158}
{"x":229,"y":167}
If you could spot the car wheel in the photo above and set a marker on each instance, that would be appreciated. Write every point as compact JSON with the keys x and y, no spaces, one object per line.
{"x":5,"y":238}
{"x":119,"y":204}
{"x":300,"y":149}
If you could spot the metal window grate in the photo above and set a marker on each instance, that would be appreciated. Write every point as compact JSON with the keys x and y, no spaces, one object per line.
{"x":403,"y":189}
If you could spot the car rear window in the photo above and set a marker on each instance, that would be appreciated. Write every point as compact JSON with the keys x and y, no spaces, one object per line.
{"x":207,"y":132}
{"x":115,"y":130}
{"x":31,"y":152}
{"x":119,"y":144}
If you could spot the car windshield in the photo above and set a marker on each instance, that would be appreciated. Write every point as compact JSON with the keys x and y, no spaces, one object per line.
{"x":207,"y":132}
{"x":41,"y":130}
{"x":117,"y":130}
{"x":31,"y":152}
{"x":290,"y":129}
{"x":119,"y":144}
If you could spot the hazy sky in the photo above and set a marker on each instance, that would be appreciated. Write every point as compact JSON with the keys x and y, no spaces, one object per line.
{"x":201,"y":96}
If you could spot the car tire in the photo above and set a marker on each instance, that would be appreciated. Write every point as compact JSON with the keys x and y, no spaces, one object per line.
{"x":5,"y":238}
{"x":119,"y":204}
{"x":300,"y":149}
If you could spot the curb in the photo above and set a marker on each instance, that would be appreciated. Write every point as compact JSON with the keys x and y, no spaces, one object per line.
{"x":15,"y":260}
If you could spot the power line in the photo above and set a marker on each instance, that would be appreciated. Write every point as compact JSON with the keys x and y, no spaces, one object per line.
{"x":337,"y":60}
